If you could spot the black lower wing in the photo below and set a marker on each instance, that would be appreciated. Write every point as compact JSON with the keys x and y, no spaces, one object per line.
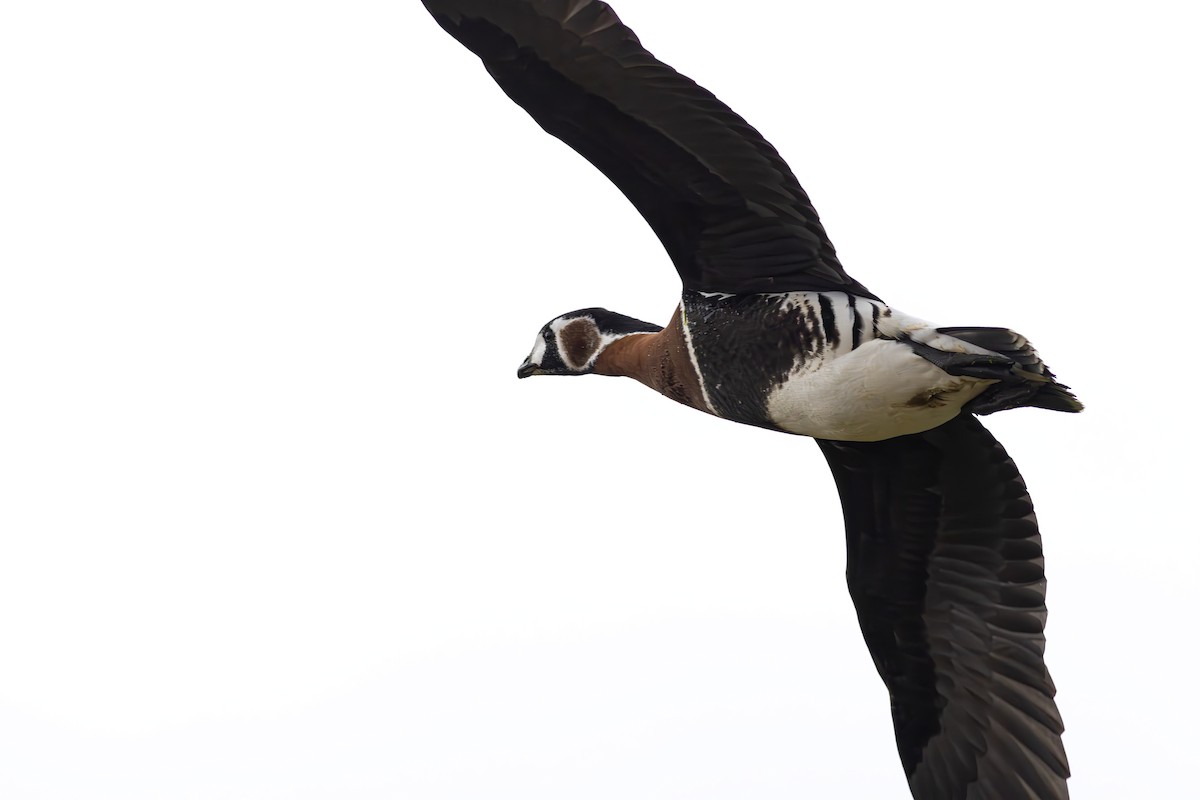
{"x":726,"y":207}
{"x":944,"y":564}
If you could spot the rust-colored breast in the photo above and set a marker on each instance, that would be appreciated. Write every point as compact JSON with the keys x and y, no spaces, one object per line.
{"x":659,"y":360}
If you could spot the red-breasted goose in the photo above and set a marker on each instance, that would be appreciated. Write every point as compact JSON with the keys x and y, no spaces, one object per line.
{"x":944,"y":555}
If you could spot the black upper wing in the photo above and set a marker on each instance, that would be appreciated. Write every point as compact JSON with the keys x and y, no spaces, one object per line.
{"x":945,"y":568}
{"x":727,"y":208}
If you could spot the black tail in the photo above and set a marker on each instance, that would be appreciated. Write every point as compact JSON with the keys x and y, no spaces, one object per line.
{"x":1024,"y":379}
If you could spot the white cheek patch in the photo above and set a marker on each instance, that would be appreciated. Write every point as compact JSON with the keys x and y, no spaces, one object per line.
{"x":539,"y":350}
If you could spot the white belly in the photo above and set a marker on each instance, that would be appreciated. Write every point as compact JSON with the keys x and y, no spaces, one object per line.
{"x":879,"y":390}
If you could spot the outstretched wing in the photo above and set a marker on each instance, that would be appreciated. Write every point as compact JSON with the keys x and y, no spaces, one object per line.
{"x":944,"y":565}
{"x":726,"y":207}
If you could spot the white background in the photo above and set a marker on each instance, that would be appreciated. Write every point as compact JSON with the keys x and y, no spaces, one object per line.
{"x":278,"y":520}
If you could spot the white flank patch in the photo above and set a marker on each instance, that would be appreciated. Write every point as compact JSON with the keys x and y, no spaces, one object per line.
{"x":901,"y":324}
{"x":879,"y":390}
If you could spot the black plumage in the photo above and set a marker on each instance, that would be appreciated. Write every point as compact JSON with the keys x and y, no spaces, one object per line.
{"x":726,"y":207}
{"x":757,"y":340}
{"x":944,"y":563}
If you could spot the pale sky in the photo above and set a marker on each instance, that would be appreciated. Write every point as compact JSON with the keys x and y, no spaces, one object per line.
{"x":277,"y":520}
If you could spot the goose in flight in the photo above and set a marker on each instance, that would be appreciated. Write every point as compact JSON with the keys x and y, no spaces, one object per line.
{"x":944,"y":556}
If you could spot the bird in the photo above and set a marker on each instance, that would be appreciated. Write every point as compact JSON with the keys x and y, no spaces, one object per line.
{"x":944,"y":555}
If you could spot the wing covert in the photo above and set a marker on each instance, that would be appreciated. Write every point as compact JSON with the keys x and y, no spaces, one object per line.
{"x":944,"y":564}
{"x":728,"y":210}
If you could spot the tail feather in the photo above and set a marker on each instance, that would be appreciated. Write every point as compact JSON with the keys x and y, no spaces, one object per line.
{"x":1023,"y":378}
{"x":1007,"y":343}
{"x":1056,"y":397}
